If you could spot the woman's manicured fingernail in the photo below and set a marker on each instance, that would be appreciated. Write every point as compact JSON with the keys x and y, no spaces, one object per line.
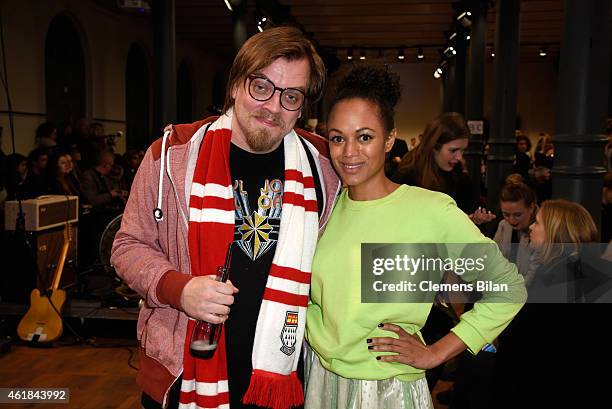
{"x":378,"y":358}
{"x":369,"y":340}
{"x":381,"y":325}
{"x":370,"y":346}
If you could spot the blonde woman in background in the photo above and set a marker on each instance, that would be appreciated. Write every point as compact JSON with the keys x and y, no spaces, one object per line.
{"x":553,"y":353}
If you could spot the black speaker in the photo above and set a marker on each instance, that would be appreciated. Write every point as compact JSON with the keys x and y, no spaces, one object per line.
{"x":29,"y":260}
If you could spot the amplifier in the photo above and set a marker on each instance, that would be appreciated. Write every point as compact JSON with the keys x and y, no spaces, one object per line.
{"x":31,"y":260}
{"x":48,"y":247}
{"x":44,"y":212}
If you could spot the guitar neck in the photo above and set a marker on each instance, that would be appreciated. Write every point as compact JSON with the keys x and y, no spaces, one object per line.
{"x":57,"y":276}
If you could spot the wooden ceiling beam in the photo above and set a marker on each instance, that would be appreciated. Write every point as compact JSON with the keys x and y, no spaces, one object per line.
{"x":368,"y":10}
{"x":346,"y":43}
{"x":375,"y":3}
{"x":389,"y":20}
{"x":378,"y":35}
{"x":395,"y":28}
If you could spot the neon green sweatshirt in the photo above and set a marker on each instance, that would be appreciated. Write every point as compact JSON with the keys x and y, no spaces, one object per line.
{"x":338,"y":324}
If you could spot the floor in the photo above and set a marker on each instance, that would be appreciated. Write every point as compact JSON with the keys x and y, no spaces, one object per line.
{"x":98,"y":377}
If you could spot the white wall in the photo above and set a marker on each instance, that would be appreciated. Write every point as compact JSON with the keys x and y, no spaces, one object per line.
{"x":537,"y":96}
{"x":106,"y":36}
{"x":421,"y":98}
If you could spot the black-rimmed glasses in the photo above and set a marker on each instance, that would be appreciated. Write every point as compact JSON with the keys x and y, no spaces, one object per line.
{"x":262,"y":89}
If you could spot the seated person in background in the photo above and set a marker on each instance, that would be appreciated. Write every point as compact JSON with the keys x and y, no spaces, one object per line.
{"x":395,"y":155}
{"x":65,"y":136}
{"x":131,"y":162}
{"x":96,"y":187}
{"x":556,"y":335}
{"x":35,"y":183}
{"x":606,"y":214}
{"x":413,"y":143}
{"x":46,"y":135}
{"x":91,"y":144}
{"x":543,"y":164}
{"x":61,"y":180}
{"x":522,"y":161}
{"x":518,"y":205}
{"x":115,"y":176}
{"x":322,"y":129}
{"x":3,"y":175}
{"x":608,"y":148}
{"x":17,"y":170}
{"x":75,"y":155}
{"x":102,"y":203}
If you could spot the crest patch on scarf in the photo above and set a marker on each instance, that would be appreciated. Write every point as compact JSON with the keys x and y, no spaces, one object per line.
{"x":288,"y":332}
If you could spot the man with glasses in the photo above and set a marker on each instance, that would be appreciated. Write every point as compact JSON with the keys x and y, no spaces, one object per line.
{"x":246,"y":181}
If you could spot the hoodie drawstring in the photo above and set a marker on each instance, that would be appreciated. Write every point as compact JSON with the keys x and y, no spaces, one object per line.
{"x":157,"y":212}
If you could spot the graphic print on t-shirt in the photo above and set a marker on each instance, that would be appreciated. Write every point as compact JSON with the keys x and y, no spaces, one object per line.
{"x":256,"y":232}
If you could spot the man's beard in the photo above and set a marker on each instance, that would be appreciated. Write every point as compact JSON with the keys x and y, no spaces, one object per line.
{"x":260,"y":140}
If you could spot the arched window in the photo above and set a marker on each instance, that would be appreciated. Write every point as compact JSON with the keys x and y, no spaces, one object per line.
{"x":137,"y":99}
{"x":64,"y":72}
{"x":184,"y":93}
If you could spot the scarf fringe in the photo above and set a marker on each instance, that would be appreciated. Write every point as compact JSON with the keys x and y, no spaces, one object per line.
{"x":272,"y":390}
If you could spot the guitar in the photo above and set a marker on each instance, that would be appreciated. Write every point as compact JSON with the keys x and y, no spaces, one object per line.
{"x":43,"y":323}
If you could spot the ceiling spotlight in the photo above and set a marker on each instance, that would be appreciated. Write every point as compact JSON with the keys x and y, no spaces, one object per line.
{"x":400,"y":55}
{"x":465,"y":19}
{"x":449,"y":51}
{"x":542,"y":53}
{"x":264,"y":23}
{"x":438,"y":73}
{"x":349,"y":54}
{"x":492,"y":54}
{"x":468,"y":37}
{"x":452,"y":35}
{"x":228,"y":5}
{"x":362,"y":55}
{"x":420,"y":54}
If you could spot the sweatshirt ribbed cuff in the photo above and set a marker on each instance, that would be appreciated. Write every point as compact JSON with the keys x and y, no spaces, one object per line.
{"x":170,"y":288}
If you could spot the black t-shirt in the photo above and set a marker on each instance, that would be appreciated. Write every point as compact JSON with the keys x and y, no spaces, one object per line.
{"x":258,"y":181}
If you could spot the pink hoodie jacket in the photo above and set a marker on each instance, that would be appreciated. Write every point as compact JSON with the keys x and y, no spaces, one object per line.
{"x":153,"y":258}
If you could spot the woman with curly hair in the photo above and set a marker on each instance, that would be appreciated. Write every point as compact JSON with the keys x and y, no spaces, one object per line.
{"x":367,"y":355}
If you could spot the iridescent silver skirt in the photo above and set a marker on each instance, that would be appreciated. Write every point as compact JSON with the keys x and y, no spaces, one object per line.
{"x":326,"y":390}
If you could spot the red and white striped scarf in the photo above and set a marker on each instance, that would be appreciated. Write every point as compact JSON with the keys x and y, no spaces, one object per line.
{"x":280,"y":325}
